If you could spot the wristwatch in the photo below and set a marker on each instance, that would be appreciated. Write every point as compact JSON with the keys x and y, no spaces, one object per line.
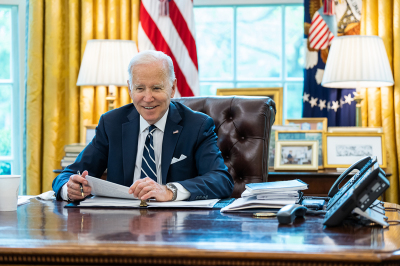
{"x":174,"y":190}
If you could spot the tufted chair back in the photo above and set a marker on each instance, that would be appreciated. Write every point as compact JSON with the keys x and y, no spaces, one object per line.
{"x":243,"y":126}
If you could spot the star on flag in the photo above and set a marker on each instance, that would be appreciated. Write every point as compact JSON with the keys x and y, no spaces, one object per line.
{"x":313,"y":101}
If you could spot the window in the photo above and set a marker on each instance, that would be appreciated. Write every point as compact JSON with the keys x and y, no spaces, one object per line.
{"x":248,"y":46}
{"x":11,"y":79}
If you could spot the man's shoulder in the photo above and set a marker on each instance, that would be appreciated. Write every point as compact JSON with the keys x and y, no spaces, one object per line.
{"x":120,"y":113}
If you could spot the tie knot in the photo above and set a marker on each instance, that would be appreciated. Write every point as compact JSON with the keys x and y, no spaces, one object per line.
{"x":152,"y":128}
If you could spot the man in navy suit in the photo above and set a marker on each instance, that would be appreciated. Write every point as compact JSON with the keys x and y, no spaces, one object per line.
{"x":160,"y":149}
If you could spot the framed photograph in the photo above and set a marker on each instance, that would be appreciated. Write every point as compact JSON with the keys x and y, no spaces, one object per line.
{"x":311,"y":123}
{"x":296,"y":155}
{"x":275,"y":94}
{"x":89,"y":132}
{"x":303,"y":135}
{"x":274,"y":128}
{"x":355,"y":129}
{"x":344,"y":149}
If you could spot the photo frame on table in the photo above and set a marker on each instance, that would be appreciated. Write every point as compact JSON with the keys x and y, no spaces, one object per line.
{"x":276,"y":94}
{"x":296,"y":155}
{"x":89,"y":132}
{"x":303,"y":135}
{"x":343,"y":149}
{"x":310,"y":123}
{"x":271,"y":157}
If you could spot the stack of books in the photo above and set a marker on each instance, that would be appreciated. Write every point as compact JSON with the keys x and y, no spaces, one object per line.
{"x":268,"y":195}
{"x":71,"y":152}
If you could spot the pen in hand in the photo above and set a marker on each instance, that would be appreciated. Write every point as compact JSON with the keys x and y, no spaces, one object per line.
{"x":83,"y":195}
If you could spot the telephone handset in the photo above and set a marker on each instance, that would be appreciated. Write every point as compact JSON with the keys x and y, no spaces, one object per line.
{"x":357,"y":165}
{"x":358,"y":193}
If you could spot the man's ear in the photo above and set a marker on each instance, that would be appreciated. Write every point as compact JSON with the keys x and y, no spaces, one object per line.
{"x":173,"y":88}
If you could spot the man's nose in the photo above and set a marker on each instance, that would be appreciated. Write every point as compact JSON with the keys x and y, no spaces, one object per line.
{"x":148,"y":95}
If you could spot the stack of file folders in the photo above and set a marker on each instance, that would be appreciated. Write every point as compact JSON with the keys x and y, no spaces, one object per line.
{"x":268,"y":195}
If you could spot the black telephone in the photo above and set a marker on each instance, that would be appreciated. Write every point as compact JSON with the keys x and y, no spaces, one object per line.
{"x":359,"y":192}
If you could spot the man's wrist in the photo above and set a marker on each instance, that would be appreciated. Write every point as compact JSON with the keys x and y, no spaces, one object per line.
{"x":173,"y":189}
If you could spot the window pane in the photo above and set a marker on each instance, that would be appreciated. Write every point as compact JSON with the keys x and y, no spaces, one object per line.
{"x":5,"y":43}
{"x":214,"y":27}
{"x":5,"y":168}
{"x":258,"y":85}
{"x":293,"y":100}
{"x":5,"y":120}
{"x":294,"y":41}
{"x":210,"y":88}
{"x":259,"y":42}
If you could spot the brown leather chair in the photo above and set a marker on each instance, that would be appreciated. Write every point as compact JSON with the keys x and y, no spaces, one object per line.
{"x":243,"y":126}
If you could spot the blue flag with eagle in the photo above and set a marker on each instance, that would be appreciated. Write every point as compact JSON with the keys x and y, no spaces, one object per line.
{"x":321,"y":26}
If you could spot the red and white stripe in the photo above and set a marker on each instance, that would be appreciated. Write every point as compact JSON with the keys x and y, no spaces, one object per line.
{"x":173,"y":35}
{"x":319,"y":35}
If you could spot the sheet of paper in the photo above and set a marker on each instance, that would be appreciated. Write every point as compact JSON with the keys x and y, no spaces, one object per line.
{"x":253,"y":202}
{"x":184,"y":204}
{"x":109,"y":202}
{"x":108,"y":189}
{"x":114,"y":202}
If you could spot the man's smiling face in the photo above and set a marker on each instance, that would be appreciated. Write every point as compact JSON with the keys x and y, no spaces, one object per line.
{"x":151,"y":90}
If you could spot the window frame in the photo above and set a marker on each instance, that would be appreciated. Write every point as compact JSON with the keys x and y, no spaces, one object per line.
{"x":284,"y":80}
{"x":17,"y":81}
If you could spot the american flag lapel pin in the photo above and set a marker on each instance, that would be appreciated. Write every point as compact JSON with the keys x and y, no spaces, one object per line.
{"x":176,"y":131}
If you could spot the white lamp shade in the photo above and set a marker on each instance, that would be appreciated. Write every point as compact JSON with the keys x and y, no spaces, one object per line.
{"x":105,"y":62}
{"x":357,"y":61}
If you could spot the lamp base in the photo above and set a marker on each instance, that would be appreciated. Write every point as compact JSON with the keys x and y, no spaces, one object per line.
{"x":111,"y":102}
{"x":358,"y":100}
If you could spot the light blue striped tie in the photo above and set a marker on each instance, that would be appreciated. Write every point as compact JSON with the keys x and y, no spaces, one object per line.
{"x":149,"y":160}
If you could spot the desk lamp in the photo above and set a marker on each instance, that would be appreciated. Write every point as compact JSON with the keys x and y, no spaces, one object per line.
{"x":357,"y":61}
{"x":105,"y":63}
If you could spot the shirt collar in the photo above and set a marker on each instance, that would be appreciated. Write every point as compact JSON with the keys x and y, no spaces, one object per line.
{"x":160,"y":124}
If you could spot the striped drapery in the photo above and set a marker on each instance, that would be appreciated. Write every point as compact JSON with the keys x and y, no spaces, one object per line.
{"x":57,"y":109}
{"x":171,"y":30}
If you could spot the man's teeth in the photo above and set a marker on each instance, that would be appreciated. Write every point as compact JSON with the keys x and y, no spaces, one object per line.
{"x":149,"y":107}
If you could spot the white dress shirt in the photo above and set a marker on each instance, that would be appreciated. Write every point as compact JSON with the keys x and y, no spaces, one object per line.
{"x":158,"y":136}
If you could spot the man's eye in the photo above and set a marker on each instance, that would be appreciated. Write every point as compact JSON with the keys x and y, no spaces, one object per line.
{"x":139,"y":88}
{"x":157,"y":88}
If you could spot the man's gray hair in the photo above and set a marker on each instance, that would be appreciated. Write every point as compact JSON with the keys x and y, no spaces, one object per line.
{"x":151,"y":56}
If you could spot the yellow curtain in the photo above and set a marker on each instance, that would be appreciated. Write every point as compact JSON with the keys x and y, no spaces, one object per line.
{"x":381,"y":106}
{"x":58,"y":110}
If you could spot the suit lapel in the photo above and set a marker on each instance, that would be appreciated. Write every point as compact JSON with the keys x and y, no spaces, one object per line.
{"x":130,"y":136}
{"x":170,"y":139}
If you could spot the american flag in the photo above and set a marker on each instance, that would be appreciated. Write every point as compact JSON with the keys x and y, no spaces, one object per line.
{"x":319,"y":35}
{"x":170,"y":29}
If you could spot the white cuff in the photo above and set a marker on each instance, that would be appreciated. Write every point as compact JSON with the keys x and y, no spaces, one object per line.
{"x":182,"y":192}
{"x":64,"y":192}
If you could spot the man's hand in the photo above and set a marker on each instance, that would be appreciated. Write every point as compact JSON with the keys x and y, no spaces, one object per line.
{"x":146,"y":188}
{"x":74,"y":186}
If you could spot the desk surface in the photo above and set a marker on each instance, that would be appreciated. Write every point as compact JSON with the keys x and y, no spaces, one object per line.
{"x":44,"y":232}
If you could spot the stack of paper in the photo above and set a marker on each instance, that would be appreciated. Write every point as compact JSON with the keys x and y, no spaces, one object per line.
{"x":268,"y":195}
{"x":108,"y":194}
{"x":97,"y":201}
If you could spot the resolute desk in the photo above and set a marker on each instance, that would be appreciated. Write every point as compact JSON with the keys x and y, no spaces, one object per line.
{"x":45,"y":233}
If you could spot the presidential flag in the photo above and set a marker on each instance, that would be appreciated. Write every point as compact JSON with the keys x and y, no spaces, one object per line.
{"x":321,"y":26}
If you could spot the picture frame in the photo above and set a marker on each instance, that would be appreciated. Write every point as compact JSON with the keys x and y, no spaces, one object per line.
{"x":303,"y":135}
{"x":276,"y":94}
{"x":310,"y":123}
{"x":89,"y":133}
{"x":296,"y":155}
{"x":271,"y":157}
{"x":342,"y":149}
{"x":355,"y":129}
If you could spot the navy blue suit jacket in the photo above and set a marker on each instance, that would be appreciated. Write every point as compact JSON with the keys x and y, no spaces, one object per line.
{"x":114,"y":147}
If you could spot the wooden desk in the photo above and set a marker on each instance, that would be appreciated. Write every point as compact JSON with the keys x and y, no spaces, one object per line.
{"x":46,"y":233}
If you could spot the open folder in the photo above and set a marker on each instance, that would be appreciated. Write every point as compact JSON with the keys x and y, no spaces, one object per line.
{"x":107,"y":194}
